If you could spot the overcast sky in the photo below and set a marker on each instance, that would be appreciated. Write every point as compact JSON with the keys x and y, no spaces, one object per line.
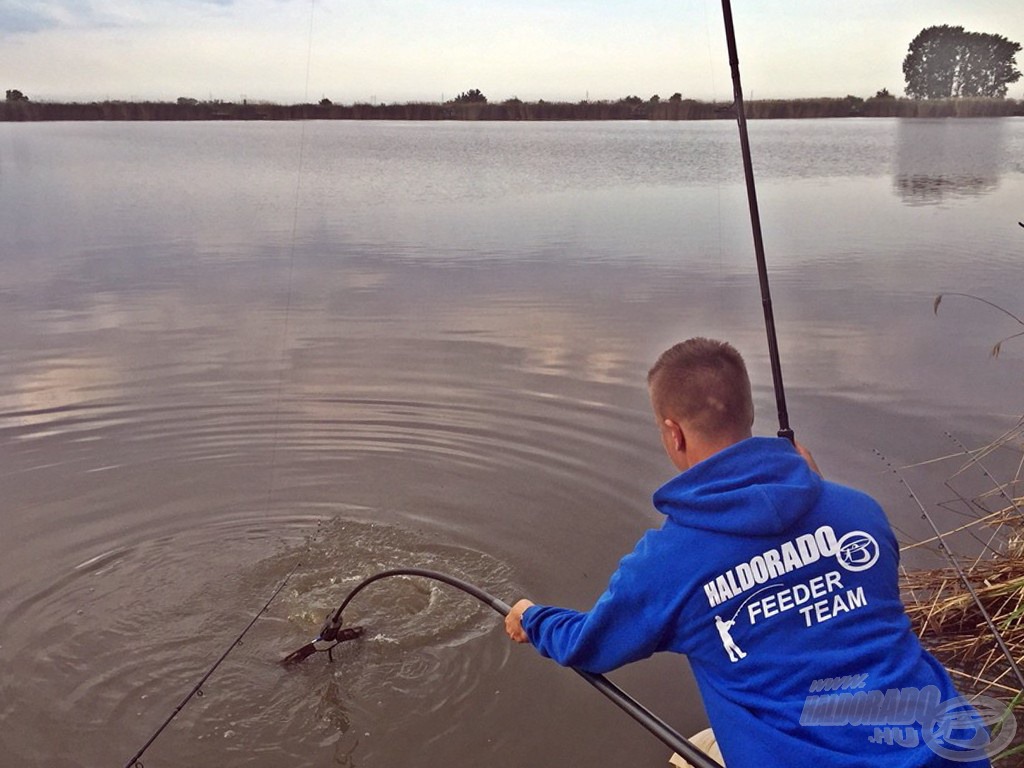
{"x":421,"y":50}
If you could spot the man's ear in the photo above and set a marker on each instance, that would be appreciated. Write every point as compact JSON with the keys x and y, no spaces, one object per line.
{"x":677,"y":439}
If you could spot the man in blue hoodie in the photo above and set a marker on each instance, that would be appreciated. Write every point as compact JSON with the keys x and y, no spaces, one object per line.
{"x":780,"y":587}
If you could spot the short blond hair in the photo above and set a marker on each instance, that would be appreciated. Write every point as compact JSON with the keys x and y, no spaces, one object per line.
{"x":704,"y":383}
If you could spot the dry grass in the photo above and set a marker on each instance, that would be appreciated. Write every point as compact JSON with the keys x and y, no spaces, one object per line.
{"x":950,"y":621}
{"x":951,"y":624}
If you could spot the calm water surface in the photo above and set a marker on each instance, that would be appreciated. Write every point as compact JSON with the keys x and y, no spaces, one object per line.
{"x":231,"y":348}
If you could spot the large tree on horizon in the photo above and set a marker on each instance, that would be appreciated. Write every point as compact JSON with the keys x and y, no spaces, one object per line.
{"x":948,"y":62}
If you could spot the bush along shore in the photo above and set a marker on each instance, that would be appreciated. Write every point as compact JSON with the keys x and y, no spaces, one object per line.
{"x":633,"y":108}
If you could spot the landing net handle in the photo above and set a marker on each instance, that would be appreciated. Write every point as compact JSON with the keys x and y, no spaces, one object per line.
{"x":654,"y":724}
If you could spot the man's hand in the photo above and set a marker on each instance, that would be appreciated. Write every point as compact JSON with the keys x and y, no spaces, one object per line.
{"x":514,"y":622}
{"x":808,"y":458}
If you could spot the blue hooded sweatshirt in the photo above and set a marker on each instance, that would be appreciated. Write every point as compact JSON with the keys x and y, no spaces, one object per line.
{"x":782,"y":590}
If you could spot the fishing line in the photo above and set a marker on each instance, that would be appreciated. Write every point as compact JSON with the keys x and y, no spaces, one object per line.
{"x":976,"y":460}
{"x":332,"y":631}
{"x":999,"y":490}
{"x":959,"y":571}
{"x":711,"y":59}
{"x":197,"y":690}
{"x":661,"y":730}
{"x":291,"y":270}
{"x":718,"y":178}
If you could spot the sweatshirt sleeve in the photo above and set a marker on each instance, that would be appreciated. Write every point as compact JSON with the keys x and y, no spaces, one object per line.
{"x":627,"y":623}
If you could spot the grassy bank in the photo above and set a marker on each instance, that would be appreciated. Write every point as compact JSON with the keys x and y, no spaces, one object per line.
{"x":513,"y":109}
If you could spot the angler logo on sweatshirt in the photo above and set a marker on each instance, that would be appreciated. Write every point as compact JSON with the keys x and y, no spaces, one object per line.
{"x":818,"y":599}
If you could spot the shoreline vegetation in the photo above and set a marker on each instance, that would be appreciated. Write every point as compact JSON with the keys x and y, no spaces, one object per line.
{"x":631,"y":108}
{"x":951,"y":619}
{"x":951,"y":625}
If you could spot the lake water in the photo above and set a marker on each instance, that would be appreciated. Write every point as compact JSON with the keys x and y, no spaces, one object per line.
{"x":231,"y":348}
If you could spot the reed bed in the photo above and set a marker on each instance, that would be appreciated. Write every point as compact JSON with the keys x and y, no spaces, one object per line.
{"x":951,"y":624}
{"x":630,"y":108}
{"x":950,"y":621}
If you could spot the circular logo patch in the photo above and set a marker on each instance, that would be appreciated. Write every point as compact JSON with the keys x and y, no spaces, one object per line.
{"x":857,"y":551}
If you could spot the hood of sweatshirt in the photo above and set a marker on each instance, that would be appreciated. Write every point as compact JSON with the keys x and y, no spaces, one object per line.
{"x":758,"y":487}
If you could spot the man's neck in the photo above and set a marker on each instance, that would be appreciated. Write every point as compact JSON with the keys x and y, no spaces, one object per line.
{"x":701,"y":447}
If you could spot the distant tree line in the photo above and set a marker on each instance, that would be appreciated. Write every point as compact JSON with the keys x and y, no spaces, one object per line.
{"x":961,"y":73}
{"x":949,"y":72}
{"x":883,"y":104}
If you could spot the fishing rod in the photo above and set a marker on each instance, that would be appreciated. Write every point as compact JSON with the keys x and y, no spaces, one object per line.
{"x":197,"y":689}
{"x":958,"y":569}
{"x":752,"y":596}
{"x":333,"y":633}
{"x":755,"y":223}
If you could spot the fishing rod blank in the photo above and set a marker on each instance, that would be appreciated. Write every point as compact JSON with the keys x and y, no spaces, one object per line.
{"x":654,"y":724}
{"x":755,"y":223}
{"x":958,"y":569}
{"x":197,"y":689}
